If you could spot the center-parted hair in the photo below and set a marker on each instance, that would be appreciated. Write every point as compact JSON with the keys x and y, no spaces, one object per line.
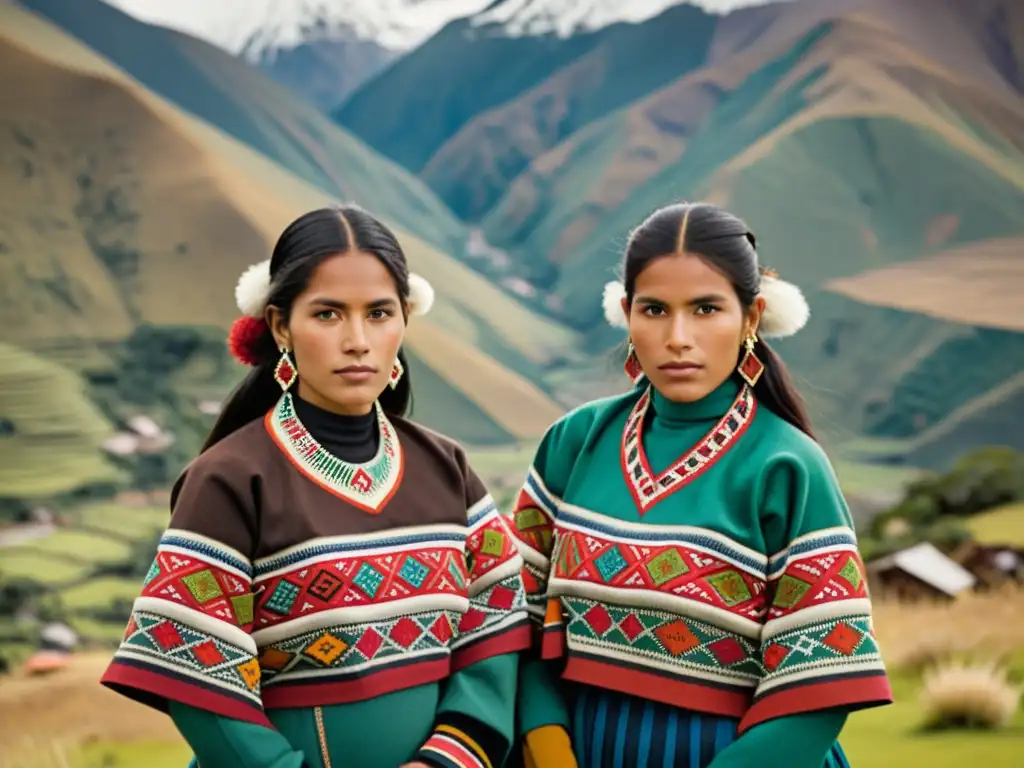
{"x":303,"y":246}
{"x":726,"y":244}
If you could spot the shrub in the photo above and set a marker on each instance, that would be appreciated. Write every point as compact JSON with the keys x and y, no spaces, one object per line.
{"x":965,"y":695}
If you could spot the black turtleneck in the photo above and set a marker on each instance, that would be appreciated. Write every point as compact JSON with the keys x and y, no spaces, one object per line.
{"x":350,"y":438}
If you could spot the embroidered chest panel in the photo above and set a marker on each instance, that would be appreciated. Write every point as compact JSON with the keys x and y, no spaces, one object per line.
{"x":367,"y":486}
{"x":344,"y":605}
{"x":338,"y":574}
{"x":648,"y":489}
{"x":699,"y":567}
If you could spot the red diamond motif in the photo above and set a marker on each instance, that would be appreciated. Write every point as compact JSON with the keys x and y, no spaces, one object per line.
{"x":631,"y":627}
{"x":598,"y":619}
{"x":472,"y":619}
{"x":728,"y":650}
{"x":774,"y":655}
{"x":130,"y":629}
{"x":502,"y":598}
{"x":843,"y":638}
{"x":369,"y":643}
{"x":166,"y":635}
{"x":442,"y":629}
{"x":208,"y":654}
{"x":405,"y":632}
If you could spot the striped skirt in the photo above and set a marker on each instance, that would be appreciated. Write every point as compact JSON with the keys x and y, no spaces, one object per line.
{"x":612,"y":730}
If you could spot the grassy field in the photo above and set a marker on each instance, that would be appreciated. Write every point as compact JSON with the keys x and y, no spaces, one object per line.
{"x":891,"y":737}
{"x":1000,"y":526}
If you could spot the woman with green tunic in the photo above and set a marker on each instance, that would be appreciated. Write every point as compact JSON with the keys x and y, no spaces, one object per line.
{"x":690,"y":561}
{"x":336,"y":586}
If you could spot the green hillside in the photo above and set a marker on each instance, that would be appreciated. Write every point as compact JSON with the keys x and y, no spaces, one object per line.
{"x":151,"y":215}
{"x":828,"y":193}
{"x":247,"y":105}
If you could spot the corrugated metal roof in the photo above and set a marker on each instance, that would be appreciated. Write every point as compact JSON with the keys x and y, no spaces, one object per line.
{"x":928,"y":564}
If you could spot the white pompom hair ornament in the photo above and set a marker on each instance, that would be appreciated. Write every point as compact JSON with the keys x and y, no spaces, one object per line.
{"x":421,"y":294}
{"x":253,"y":290}
{"x":785,"y":308}
{"x":614,"y":293}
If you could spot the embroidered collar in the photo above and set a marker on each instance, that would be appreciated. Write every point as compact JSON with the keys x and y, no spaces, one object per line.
{"x":368,"y":486}
{"x":647,"y":489}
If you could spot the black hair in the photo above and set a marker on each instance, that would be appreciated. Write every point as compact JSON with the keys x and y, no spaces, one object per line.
{"x":725,"y":242}
{"x":301,"y":248}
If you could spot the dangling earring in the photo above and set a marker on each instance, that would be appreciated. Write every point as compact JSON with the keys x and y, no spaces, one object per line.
{"x":750,"y":367}
{"x":632,"y":365}
{"x":284,"y":373}
{"x":396,"y":373}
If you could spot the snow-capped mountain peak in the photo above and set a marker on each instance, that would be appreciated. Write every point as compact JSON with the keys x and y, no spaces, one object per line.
{"x":259,"y":28}
{"x":394,"y":24}
{"x":567,"y":17}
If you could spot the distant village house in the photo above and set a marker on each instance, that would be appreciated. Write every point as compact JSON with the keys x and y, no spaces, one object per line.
{"x":142,"y":436}
{"x":920,"y":572}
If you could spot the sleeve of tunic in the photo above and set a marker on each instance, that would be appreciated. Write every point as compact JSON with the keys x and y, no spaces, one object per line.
{"x":543,"y":719}
{"x":188,"y":638}
{"x":217,"y":740}
{"x":818,"y":646}
{"x":794,"y":741}
{"x":476,"y":716}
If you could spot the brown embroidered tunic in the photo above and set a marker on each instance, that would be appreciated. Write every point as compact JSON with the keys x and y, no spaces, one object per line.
{"x":291,"y":578}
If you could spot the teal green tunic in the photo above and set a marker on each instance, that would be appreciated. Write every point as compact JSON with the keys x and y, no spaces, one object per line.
{"x":693,"y":560}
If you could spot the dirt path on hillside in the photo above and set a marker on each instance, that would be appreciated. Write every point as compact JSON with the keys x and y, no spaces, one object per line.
{"x":70,"y":705}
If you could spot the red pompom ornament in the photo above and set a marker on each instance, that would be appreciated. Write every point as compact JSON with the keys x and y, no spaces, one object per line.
{"x":244,"y":339}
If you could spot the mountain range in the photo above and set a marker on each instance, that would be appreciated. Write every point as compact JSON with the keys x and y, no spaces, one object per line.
{"x":876,"y":149}
{"x":149,"y":169}
{"x":854,"y":136}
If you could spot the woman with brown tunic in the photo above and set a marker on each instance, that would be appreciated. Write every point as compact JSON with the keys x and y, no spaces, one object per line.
{"x":335,"y":586}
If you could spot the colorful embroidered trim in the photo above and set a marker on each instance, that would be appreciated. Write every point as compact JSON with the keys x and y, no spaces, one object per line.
{"x":345,"y":652}
{"x":686,"y":570}
{"x":179,"y":650}
{"x":662,"y":642}
{"x":189,"y":629}
{"x":333,"y":576}
{"x":450,"y":748}
{"x":192,"y":572}
{"x":496,"y":623}
{"x":362,"y":614}
{"x":532,"y":521}
{"x":367,"y":486}
{"x":819,"y":578}
{"x":647,"y":489}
